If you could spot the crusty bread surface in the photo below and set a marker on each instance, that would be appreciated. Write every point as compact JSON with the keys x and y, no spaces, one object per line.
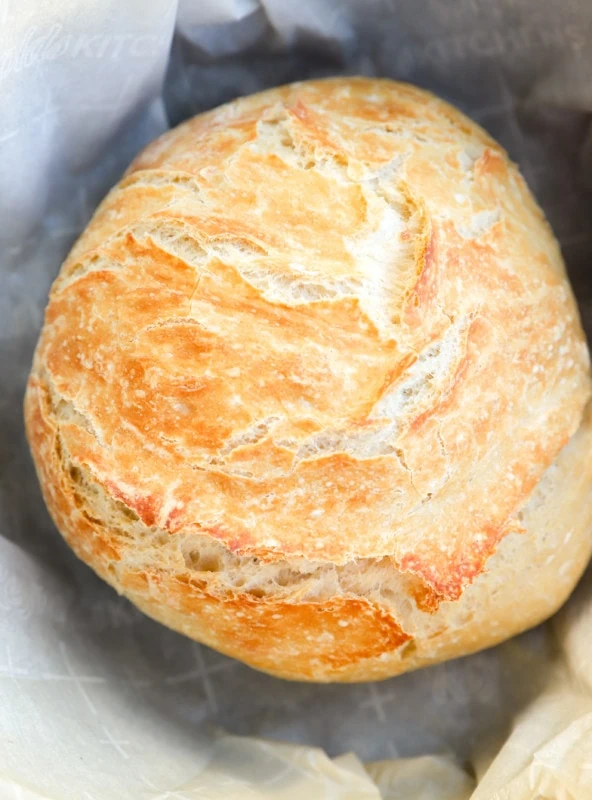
{"x":312,"y":387}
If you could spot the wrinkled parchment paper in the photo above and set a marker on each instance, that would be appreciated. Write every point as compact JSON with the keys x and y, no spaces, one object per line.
{"x":98,"y":702}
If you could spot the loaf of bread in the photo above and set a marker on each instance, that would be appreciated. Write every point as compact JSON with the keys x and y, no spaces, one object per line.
{"x":312,"y":387}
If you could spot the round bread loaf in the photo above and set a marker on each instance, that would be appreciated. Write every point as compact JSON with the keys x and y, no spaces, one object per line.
{"x":312,"y":387}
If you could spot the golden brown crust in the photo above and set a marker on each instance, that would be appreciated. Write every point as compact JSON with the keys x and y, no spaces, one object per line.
{"x":323,"y":325}
{"x":341,"y":638}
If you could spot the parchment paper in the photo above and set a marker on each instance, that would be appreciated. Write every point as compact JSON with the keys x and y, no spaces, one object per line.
{"x":98,"y":702}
